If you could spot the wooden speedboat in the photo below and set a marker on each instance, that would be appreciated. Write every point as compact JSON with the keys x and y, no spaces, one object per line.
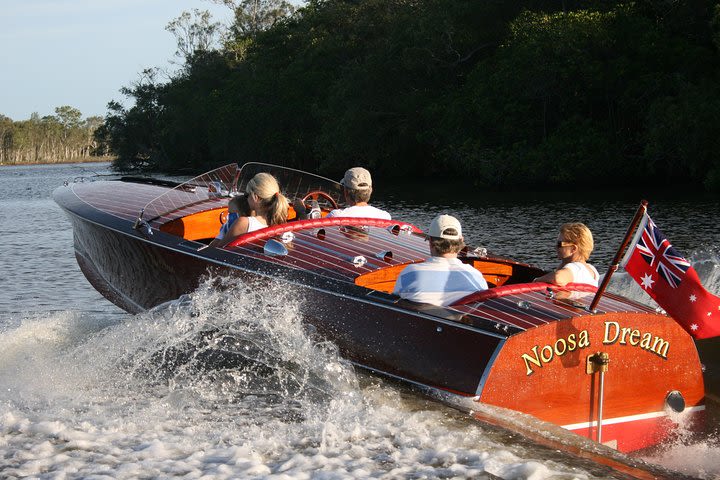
{"x":622,"y":374}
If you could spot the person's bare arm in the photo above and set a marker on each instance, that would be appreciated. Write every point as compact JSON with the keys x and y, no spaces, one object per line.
{"x":238,"y":227}
{"x":560,"y":277}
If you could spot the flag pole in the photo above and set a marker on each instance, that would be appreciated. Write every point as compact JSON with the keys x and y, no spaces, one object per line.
{"x":616,"y":261}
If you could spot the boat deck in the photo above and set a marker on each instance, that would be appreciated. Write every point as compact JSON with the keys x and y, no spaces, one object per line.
{"x":371,"y":256}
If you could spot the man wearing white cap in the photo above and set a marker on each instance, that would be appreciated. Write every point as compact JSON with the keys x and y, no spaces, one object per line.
{"x":442,"y":278}
{"x":357,"y":187}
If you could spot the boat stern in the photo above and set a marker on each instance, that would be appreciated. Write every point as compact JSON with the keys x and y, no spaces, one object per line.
{"x":623,"y":379}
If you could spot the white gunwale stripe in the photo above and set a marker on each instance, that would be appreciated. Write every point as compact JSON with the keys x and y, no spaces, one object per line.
{"x":629,"y":418}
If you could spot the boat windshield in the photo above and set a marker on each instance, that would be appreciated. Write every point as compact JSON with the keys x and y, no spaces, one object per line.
{"x":193,"y":194}
{"x":293,"y":183}
{"x":204,"y":191}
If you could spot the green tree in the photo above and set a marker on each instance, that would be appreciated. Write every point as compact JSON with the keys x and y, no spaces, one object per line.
{"x":133,"y":134}
{"x":683,"y":136}
{"x":255,"y":16}
{"x":506,"y":94}
{"x":250,"y":17}
{"x":195,"y":33}
{"x":715,"y":24}
{"x":6,"y":132}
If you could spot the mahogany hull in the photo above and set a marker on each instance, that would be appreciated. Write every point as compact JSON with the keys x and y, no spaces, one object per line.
{"x":137,"y":273}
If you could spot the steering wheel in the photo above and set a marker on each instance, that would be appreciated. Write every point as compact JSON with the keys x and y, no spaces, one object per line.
{"x":316,"y":194}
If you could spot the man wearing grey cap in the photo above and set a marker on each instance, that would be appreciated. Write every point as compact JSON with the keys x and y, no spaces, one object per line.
{"x":357,"y":188}
{"x":442,"y":278}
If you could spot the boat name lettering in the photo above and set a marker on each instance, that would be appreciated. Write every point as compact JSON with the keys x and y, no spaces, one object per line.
{"x":634,"y":337}
{"x":614,"y":333}
{"x":559,"y":348}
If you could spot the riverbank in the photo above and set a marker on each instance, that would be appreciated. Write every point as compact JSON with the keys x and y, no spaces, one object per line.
{"x":105,"y":159}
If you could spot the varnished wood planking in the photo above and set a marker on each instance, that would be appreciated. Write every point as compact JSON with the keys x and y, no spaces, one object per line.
{"x":561,"y":392}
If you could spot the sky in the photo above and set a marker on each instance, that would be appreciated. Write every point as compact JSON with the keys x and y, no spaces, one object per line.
{"x":81,"y":52}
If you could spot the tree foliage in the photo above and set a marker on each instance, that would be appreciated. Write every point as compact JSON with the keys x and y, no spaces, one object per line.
{"x":194,"y":32}
{"x":502,"y":94}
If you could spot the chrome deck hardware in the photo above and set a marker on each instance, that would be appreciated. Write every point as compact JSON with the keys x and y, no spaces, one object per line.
{"x":359,"y":261}
{"x":599,"y":363}
{"x":274,"y":248}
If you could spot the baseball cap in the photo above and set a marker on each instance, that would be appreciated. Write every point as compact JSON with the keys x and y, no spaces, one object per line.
{"x":357,"y":178}
{"x":441,"y":223}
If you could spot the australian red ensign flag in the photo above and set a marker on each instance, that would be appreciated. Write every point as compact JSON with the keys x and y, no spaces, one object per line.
{"x":671,"y":281}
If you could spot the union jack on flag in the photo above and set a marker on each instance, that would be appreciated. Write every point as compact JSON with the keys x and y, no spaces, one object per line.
{"x":657,"y":251}
{"x":671,"y":281}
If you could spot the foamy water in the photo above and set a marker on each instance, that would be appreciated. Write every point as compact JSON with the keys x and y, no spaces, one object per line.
{"x":689,"y":453}
{"x":144,"y":397}
{"x":226,"y":383}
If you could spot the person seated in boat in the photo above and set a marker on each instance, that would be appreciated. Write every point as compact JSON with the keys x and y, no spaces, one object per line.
{"x":238,"y":206}
{"x":357,"y":189}
{"x":574,"y":246}
{"x":270,"y":207}
{"x":442,"y":278}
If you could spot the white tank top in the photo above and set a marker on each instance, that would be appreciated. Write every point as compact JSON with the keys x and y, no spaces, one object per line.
{"x":583,"y":274}
{"x":254,"y":224}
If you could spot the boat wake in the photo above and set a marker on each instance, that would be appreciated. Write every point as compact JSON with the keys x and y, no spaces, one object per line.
{"x":226,"y":342}
{"x":227,"y":382}
{"x":691,"y":453}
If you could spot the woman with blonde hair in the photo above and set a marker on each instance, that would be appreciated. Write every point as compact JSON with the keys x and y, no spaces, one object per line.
{"x":264,"y":198}
{"x":574,"y":246}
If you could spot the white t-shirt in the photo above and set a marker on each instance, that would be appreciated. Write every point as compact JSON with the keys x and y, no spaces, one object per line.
{"x":365,"y":211}
{"x":439,"y":281}
{"x":582,"y":274}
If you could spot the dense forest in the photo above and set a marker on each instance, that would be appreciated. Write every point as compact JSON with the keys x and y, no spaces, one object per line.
{"x":528,"y":93}
{"x":63,"y":137}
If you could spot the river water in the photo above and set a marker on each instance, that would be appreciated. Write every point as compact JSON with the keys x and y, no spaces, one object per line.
{"x":83,"y":393}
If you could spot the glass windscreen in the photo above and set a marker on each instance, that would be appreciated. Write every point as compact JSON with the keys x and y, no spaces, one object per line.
{"x":294,"y":183}
{"x":193,"y":195}
{"x":205,"y":191}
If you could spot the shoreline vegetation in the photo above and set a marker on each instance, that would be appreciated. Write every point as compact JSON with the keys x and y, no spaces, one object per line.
{"x":103,"y":159}
{"x":61,"y":138}
{"x":498,"y":95}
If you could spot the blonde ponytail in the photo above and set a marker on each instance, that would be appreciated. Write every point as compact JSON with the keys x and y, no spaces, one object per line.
{"x":277,"y":209}
{"x":274,"y":203}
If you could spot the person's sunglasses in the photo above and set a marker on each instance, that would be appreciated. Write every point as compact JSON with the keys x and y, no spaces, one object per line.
{"x":563,"y":244}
